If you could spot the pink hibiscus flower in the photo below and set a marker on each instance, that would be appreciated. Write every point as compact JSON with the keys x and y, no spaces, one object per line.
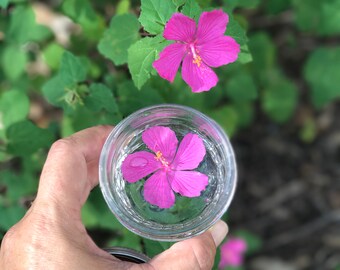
{"x":232,"y":253}
{"x":171,"y":167}
{"x":200,"y":48}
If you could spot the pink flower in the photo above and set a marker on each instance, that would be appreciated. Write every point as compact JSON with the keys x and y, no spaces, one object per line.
{"x":200,"y":48}
{"x":171,"y":167}
{"x":232,"y":253}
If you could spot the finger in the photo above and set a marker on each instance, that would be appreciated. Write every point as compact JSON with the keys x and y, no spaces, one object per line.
{"x":195,"y":253}
{"x":71,"y":169}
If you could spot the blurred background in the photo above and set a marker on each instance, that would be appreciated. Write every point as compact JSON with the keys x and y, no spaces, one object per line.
{"x":64,"y":66}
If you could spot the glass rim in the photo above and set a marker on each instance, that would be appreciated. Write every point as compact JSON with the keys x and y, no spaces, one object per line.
{"x":162,"y":234}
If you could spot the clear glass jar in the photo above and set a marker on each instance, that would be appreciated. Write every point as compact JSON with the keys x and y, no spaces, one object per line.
{"x":188,"y":216}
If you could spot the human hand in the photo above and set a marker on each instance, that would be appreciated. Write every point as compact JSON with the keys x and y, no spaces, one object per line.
{"x":51,"y":234}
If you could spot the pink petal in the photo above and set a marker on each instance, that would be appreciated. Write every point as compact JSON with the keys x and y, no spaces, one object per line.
{"x":232,"y":252}
{"x":188,"y":183}
{"x":211,"y":25}
{"x":180,"y":28}
{"x":169,"y":60}
{"x":161,"y":139}
{"x":199,"y":77}
{"x":190,"y":153}
{"x":157,"y":190}
{"x":138,"y":165}
{"x":220,"y":51}
{"x":237,"y":244}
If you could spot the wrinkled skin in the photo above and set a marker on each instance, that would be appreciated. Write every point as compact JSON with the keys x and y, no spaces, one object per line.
{"x":51,"y":234}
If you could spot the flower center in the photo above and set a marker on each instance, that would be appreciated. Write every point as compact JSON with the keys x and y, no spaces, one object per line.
{"x":159,"y":157}
{"x":197,"y":59}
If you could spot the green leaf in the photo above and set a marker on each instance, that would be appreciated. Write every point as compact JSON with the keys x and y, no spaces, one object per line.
{"x":235,"y":30}
{"x":123,"y":7}
{"x":279,"y":100}
{"x":127,"y":240}
{"x":153,"y":248}
{"x":192,"y":9}
{"x":14,"y":61}
{"x":52,"y":55}
{"x":254,"y":243}
{"x":14,"y":107}
{"x":54,"y":90}
{"x":100,"y":97}
{"x":130,"y":99}
{"x":322,"y":17}
{"x":72,"y":68}
{"x":82,"y":12}
{"x":141,"y":55}
{"x":23,"y":27}
{"x":308,"y":130}
{"x":241,"y":87}
{"x":18,"y":186}
{"x":264,"y":56}
{"x":244,"y":56}
{"x":3,"y":4}
{"x":10,"y":215}
{"x":21,"y":24}
{"x":25,"y":138}
{"x":123,"y":32}
{"x":227,"y":117}
{"x":179,"y":3}
{"x":322,"y":74}
{"x":155,"y":14}
{"x":245,"y":112}
{"x":248,"y":3}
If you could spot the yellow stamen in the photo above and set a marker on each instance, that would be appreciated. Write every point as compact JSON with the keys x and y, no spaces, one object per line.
{"x":197,"y":60}
{"x":159,"y":157}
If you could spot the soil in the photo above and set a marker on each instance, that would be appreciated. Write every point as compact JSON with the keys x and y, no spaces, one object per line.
{"x":289,"y":193}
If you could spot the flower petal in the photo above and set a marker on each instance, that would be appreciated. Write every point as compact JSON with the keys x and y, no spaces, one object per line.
{"x":180,"y":28}
{"x":138,"y":165}
{"x":220,"y":51}
{"x":188,"y":183}
{"x":190,"y":153}
{"x":161,"y":139}
{"x":199,"y":77}
{"x":211,"y":25}
{"x":157,"y":190}
{"x":232,"y":253}
{"x":169,"y":60}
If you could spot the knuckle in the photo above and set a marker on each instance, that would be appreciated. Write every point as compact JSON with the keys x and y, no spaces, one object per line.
{"x":9,"y":238}
{"x":63,"y":145}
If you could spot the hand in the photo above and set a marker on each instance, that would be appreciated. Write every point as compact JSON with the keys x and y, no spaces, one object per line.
{"x":51,"y":234}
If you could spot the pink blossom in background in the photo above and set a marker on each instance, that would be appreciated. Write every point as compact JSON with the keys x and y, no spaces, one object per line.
{"x":232,"y":253}
{"x":171,"y":167}
{"x":199,"y":48}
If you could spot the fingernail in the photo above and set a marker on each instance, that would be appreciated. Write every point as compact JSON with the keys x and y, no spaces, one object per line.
{"x":219,"y":232}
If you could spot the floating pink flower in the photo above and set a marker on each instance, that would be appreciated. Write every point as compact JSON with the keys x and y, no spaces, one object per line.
{"x":200,"y":48}
{"x":232,"y":253}
{"x":171,"y":167}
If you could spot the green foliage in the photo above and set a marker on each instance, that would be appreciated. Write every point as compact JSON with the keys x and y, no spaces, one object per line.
{"x":64,"y":89}
{"x":20,"y":136}
{"x":192,"y":9}
{"x":103,"y":72}
{"x":141,"y":55}
{"x":153,"y":248}
{"x":123,"y":32}
{"x":14,"y":107}
{"x":321,"y":17}
{"x":322,"y":74}
{"x":155,"y":14}
{"x":254,"y":243}
{"x":279,"y":100}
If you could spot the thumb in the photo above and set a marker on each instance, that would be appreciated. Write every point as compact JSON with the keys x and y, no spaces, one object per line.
{"x":195,"y":253}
